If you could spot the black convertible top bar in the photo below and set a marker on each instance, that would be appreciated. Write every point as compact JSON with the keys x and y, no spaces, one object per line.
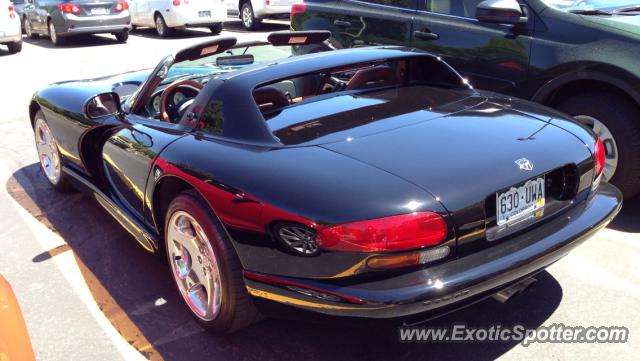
{"x":298,"y":37}
{"x":215,"y":46}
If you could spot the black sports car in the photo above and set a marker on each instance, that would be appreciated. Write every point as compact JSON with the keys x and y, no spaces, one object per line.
{"x":368,"y":183}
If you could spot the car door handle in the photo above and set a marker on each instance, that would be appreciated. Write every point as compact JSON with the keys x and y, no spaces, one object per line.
{"x":341,"y":23}
{"x":426,"y":35}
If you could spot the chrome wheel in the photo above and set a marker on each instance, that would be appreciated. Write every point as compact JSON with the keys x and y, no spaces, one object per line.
{"x":194,"y":265}
{"x":247,"y":17}
{"x":610,"y":146}
{"x":52,"y":33}
{"x":47,"y":151}
{"x":27,"y":28}
{"x":300,"y":239}
{"x":160,"y":28}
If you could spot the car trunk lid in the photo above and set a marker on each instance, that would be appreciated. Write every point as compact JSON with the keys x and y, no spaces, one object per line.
{"x":95,"y":7}
{"x":464,"y":158}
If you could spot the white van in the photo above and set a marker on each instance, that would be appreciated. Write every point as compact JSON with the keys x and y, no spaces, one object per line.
{"x":165,"y":15}
{"x":10,"y":28}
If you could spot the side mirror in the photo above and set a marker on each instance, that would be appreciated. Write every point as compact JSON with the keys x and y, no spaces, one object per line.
{"x":103,"y":105}
{"x":500,"y":12}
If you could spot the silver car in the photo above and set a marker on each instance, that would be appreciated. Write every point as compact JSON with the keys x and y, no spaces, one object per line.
{"x":60,"y":19}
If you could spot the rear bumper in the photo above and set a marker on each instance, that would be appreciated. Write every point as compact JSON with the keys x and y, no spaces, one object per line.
{"x":11,"y":33}
{"x":273,"y":10}
{"x":95,"y":24}
{"x":176,"y":19}
{"x":453,"y":284}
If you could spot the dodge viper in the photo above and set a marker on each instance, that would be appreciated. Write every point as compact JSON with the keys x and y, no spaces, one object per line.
{"x":287,"y":175}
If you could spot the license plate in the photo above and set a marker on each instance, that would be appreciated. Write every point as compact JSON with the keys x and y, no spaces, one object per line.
{"x":520,"y":202}
{"x":99,"y":11}
{"x":204,"y":14}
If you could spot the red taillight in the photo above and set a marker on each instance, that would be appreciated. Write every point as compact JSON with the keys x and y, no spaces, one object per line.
{"x":12,"y":15}
{"x":122,"y":6}
{"x":395,"y":233}
{"x":298,"y":9}
{"x":599,"y":155}
{"x":176,"y":2}
{"x":69,"y":8}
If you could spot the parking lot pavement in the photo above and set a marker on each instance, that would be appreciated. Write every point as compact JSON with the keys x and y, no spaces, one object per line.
{"x":88,"y":292}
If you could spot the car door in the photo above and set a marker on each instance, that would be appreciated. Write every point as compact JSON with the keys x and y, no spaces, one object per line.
{"x":490,"y":56}
{"x":367,"y":22}
{"x":128,"y":155}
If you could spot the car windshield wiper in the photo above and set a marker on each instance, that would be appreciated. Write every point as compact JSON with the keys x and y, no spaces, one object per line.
{"x":590,"y":12}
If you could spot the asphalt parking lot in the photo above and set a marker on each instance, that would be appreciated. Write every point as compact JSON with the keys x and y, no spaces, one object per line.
{"x":89,"y":292}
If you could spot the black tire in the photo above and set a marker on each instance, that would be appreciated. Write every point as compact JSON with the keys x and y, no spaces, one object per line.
{"x":28,"y":30}
{"x":216,"y":29}
{"x":161,"y":27}
{"x":62,"y":184}
{"x":56,"y":40}
{"x":619,"y":115}
{"x":236,"y":308}
{"x":15,"y":47}
{"x":123,"y":36}
{"x":250,"y":22}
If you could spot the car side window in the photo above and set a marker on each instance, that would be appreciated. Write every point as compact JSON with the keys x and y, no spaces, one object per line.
{"x":405,"y":4}
{"x":464,"y":8}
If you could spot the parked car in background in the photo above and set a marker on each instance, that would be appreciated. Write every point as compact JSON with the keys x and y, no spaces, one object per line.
{"x":60,"y":19}
{"x":15,"y":344}
{"x":252,"y":12}
{"x":10,"y":33}
{"x":18,"y":7}
{"x":579,"y":57}
{"x":166,"y":15}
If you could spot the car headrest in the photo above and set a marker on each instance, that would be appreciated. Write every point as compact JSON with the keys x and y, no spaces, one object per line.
{"x":370,"y":75}
{"x":270,"y":96}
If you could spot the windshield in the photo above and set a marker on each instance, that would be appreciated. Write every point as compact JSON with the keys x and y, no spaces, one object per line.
{"x":240,"y":57}
{"x":568,"y":5}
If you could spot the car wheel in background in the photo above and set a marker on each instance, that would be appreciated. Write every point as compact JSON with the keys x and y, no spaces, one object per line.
{"x":28,"y":30}
{"x":205,"y":267}
{"x":15,"y":47}
{"x":122,"y":36}
{"x":248,"y":18}
{"x":161,"y":27}
{"x":48,"y":154}
{"x":216,"y":29}
{"x":53,"y":35}
{"x":614,"y":119}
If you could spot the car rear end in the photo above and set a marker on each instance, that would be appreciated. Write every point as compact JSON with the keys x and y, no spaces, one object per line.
{"x":520,"y":191}
{"x":275,"y":8}
{"x":92,"y":17}
{"x":10,"y":31}
{"x":195,"y":13}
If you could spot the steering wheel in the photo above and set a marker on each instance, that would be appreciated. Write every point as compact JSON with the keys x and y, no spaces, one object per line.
{"x":164,"y":98}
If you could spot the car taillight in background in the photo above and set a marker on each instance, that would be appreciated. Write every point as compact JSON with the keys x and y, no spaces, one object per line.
{"x":122,"y":6}
{"x":69,"y":8}
{"x":12,"y":14}
{"x":176,"y":2}
{"x":395,"y":233}
{"x":298,"y":9}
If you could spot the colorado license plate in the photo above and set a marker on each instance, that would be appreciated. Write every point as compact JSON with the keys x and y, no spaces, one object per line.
{"x":99,"y":11}
{"x":520,"y":202}
{"x":204,"y":14}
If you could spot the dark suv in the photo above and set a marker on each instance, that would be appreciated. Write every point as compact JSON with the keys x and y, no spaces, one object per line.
{"x":581,"y":57}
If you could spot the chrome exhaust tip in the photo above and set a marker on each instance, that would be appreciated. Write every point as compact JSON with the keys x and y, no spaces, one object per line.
{"x":506,"y":294}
